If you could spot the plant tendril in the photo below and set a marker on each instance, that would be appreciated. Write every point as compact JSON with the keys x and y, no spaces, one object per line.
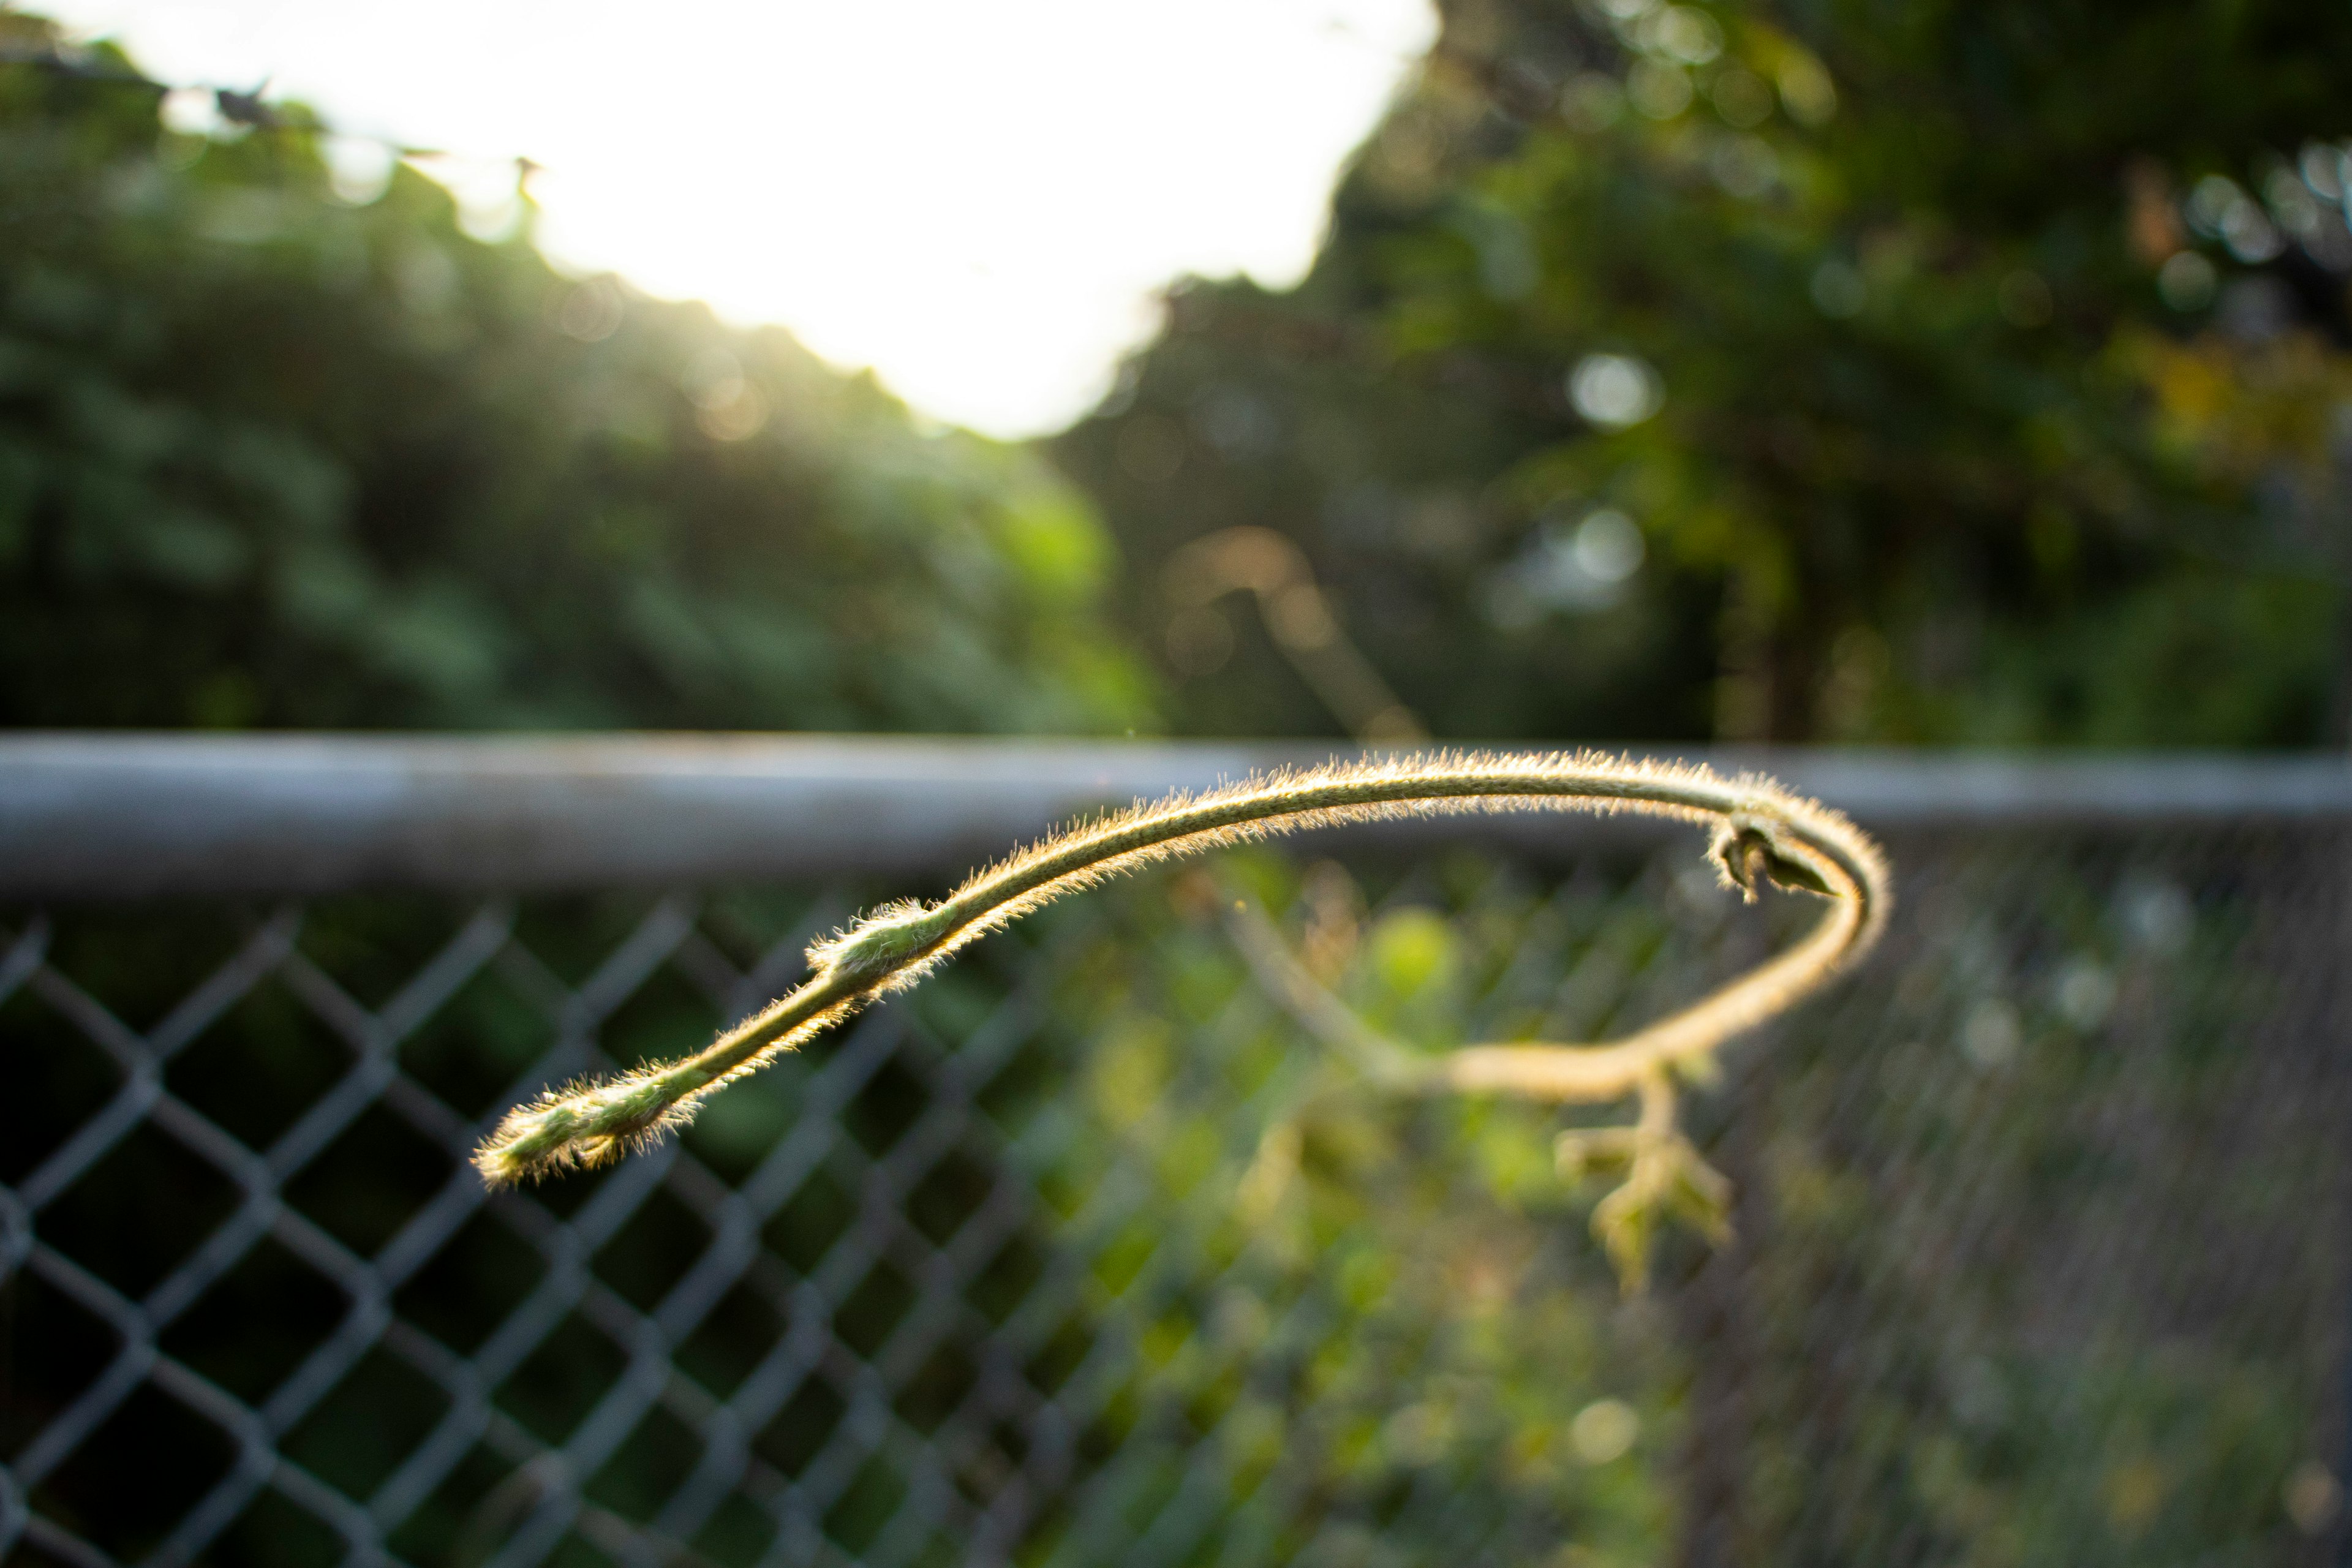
{"x":1762,"y":834}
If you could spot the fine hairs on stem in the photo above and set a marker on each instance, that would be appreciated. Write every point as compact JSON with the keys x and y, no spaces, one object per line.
{"x":1762,"y":834}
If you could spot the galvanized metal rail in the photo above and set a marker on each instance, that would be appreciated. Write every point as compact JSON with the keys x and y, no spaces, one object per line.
{"x":117,"y":816}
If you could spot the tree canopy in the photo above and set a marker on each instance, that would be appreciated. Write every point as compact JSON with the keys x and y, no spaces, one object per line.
{"x":274,"y":456}
{"x":1751,"y":370}
{"x":1819,"y":369}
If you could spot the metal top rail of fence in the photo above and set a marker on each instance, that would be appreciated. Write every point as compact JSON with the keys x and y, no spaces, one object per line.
{"x":2043,"y":1248}
{"x":133,"y":816}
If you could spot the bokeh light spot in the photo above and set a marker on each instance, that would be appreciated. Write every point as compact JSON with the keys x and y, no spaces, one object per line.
{"x":1615,"y":390}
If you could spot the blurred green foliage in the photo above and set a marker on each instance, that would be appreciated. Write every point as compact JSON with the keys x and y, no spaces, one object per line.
{"x":1973,"y":373}
{"x":1367,"y":1328}
{"x":1967,"y":373}
{"x":270,"y":455}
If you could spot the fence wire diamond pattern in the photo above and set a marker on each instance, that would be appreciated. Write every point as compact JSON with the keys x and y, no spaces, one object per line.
{"x":1082,"y":1254}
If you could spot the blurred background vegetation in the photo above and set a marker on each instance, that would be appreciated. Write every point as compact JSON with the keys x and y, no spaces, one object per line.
{"x":274,"y":456}
{"x":1971,"y":373}
{"x":1821,"y":371}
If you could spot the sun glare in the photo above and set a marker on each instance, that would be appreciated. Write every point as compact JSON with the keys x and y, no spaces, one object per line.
{"x":980,"y":201}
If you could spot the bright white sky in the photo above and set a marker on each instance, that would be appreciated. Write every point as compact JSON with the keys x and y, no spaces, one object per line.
{"x":975,"y":197}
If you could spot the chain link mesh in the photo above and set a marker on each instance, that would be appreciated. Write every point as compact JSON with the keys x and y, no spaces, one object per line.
{"x":1085,"y":1253}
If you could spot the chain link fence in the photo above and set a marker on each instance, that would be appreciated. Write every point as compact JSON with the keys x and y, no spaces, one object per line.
{"x":1083,"y":1252}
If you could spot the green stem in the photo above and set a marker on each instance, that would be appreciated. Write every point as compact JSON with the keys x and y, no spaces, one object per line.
{"x":1762,"y":834}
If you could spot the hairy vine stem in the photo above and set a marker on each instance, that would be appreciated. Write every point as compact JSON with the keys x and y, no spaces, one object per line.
{"x":1762,"y":834}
